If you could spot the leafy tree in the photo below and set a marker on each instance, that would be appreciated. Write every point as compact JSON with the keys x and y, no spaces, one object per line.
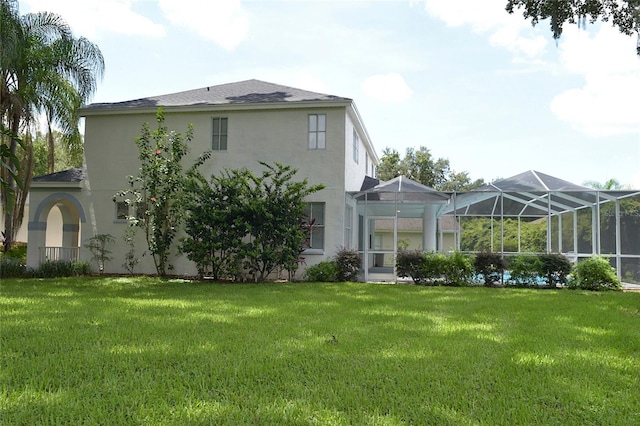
{"x":157,"y":192}
{"x":610,"y":185}
{"x":460,"y":181}
{"x":216,"y":223}
{"x":422,"y":167}
{"x":45,"y":70}
{"x":623,"y":14}
{"x":244,"y":222}
{"x":66,"y":156}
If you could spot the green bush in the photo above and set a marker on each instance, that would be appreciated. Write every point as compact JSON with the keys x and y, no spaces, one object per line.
{"x":348,"y":264}
{"x":525,"y":270}
{"x":411,"y":264}
{"x":555,"y":268}
{"x":17,"y":252}
{"x":326,"y":271}
{"x":61,"y":268}
{"x":491,"y":266}
{"x":12,"y":268}
{"x":595,"y":273}
{"x":457,"y":269}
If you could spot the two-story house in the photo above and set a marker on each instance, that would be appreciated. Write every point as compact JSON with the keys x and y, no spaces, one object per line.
{"x":323,"y":136}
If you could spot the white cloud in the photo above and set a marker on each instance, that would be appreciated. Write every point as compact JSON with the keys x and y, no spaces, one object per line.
{"x":607,"y":104}
{"x":389,"y":87}
{"x":91,"y":17}
{"x":510,"y":31}
{"x":224,"y":22}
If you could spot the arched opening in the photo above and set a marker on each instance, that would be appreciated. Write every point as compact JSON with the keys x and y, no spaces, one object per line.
{"x":56,"y":228}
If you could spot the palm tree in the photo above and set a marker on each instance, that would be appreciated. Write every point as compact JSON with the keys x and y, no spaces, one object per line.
{"x":45,"y":72}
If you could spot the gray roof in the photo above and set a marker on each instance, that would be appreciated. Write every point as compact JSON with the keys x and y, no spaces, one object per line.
{"x":71,"y":175}
{"x":242,"y":92}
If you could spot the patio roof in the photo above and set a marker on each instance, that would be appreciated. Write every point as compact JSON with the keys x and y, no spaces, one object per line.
{"x":410,"y":190}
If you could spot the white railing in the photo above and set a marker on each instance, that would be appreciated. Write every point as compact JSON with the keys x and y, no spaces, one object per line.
{"x":59,"y":253}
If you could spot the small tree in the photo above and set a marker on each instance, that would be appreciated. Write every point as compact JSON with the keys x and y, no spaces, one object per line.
{"x":130,"y":257}
{"x":157,"y":192}
{"x":99,"y":251}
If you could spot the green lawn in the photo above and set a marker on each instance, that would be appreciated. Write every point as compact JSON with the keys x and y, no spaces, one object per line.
{"x":141,"y":351}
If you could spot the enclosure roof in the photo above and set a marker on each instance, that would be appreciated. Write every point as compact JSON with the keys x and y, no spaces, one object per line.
{"x":531,"y":194}
{"x":532,"y":180}
{"x":411,"y":191}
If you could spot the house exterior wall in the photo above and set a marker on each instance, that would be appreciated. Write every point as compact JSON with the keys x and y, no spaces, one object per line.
{"x":269,"y":135}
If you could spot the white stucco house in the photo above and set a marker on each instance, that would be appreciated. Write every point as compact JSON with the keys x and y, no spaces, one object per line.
{"x":323,"y":136}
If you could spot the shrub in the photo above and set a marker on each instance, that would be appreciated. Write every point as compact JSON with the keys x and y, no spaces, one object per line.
{"x":61,"y":268}
{"x":435,"y":266}
{"x":411,"y":264}
{"x":595,"y":273}
{"x":525,"y":270}
{"x":555,"y":268}
{"x":348,"y":264}
{"x":18,"y":251}
{"x":12,"y":268}
{"x":97,"y":245}
{"x":457,"y":269}
{"x":326,"y":271}
{"x":490,"y":265}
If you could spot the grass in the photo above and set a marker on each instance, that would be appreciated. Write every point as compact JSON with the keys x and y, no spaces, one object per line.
{"x":141,"y":351}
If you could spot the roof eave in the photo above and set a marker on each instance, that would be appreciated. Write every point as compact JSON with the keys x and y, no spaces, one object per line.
{"x":113,"y":110}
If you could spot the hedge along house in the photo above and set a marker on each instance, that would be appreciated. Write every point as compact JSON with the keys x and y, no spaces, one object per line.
{"x":323,"y":136}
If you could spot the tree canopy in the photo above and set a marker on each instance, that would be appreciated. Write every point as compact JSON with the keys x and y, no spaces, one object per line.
{"x":623,"y":14}
{"x":422,"y":167}
{"x":48,"y":72}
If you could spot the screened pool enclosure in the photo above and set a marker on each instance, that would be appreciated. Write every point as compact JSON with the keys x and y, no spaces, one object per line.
{"x":528,"y":213}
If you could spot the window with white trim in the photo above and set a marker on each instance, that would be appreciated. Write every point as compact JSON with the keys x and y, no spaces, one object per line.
{"x":314,"y":217}
{"x":219,"y":135}
{"x":366,"y":163}
{"x":317,"y":131}
{"x":356,"y":146}
{"x":348,"y":226}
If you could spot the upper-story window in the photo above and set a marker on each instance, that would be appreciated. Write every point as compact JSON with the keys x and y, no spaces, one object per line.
{"x":317,"y":131}
{"x":366,"y":163}
{"x":219,"y":139}
{"x":356,"y":146}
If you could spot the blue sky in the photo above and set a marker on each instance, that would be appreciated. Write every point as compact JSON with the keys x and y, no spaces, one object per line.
{"x":462,"y":77}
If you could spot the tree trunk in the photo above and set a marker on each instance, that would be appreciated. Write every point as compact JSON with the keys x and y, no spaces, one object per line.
{"x":50,"y":149}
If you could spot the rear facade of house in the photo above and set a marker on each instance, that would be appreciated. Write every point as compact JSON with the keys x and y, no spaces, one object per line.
{"x":242,"y":123}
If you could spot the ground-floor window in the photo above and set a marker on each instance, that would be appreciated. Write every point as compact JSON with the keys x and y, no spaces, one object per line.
{"x":314,"y":213}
